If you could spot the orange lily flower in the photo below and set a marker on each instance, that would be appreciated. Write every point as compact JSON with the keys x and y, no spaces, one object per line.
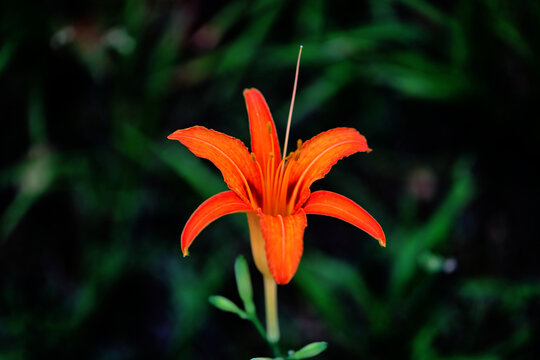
{"x":274,"y":191}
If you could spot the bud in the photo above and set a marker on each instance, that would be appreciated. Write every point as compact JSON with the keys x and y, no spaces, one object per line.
{"x":222,"y":303}
{"x":310,"y":350}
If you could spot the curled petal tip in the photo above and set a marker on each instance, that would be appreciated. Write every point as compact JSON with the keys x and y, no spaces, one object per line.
{"x":381,"y":239}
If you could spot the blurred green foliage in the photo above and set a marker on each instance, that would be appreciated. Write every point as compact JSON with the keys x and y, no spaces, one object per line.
{"x":93,"y":196}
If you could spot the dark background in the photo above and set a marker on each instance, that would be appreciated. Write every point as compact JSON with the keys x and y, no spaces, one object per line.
{"x":93,"y":197}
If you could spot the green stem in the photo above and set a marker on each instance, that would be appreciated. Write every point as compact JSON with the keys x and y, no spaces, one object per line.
{"x":270,"y":296}
{"x":273,"y":345}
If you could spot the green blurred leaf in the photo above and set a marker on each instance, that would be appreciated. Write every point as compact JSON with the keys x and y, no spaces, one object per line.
{"x":133,"y":15}
{"x":263,"y":15}
{"x":316,"y":94}
{"x":382,"y":10}
{"x":344,"y":45}
{"x":511,"y":296}
{"x":189,"y":167}
{"x":36,"y":174}
{"x":423,"y":345}
{"x":190,"y":289}
{"x":414,"y":242}
{"x":428,"y":10}
{"x":506,"y":28}
{"x":417,"y":76}
{"x":33,"y":178}
{"x":162,"y":60}
{"x":6,"y":52}
{"x":321,"y":295}
{"x":349,"y":281}
{"x":310,"y":20}
{"x":36,"y":117}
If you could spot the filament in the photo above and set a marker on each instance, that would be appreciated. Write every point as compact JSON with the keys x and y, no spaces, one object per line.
{"x":292,"y":101}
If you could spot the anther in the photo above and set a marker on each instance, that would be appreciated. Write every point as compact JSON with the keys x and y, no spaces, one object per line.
{"x":253,"y":157}
{"x":299,"y":144}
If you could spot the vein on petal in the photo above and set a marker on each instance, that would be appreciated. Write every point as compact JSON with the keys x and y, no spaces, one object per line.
{"x":248,"y":189}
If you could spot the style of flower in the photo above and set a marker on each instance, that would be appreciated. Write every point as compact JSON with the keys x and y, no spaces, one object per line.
{"x":274,"y":191}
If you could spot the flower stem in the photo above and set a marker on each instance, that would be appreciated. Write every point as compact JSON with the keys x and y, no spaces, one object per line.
{"x":270,"y":296}
{"x":273,"y":345}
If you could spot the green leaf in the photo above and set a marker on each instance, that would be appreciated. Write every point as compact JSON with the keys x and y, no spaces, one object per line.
{"x":243,"y":282}
{"x":6,"y":52}
{"x":225,"y":304}
{"x":135,"y":144}
{"x":310,"y":350}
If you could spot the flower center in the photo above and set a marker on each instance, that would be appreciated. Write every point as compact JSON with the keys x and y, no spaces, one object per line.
{"x":275,"y":185}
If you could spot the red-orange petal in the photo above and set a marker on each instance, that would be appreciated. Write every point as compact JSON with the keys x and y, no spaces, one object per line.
{"x":217,"y":206}
{"x":338,"y":206}
{"x":283,"y":236}
{"x":319,"y":154}
{"x":264,"y":138}
{"x":228,"y":154}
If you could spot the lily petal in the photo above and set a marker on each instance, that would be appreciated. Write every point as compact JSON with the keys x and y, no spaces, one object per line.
{"x":217,"y":206}
{"x":318,"y":155}
{"x":338,"y":206}
{"x":283,"y":236}
{"x":264,"y":138}
{"x":227,"y":153}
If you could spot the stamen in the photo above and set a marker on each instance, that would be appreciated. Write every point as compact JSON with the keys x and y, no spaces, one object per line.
{"x":253,"y":157}
{"x":283,"y":188}
{"x":272,"y":149}
{"x":263,"y":181}
{"x":269,"y":181}
{"x":292,"y":101}
{"x":299,"y":144}
{"x":300,"y":181}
